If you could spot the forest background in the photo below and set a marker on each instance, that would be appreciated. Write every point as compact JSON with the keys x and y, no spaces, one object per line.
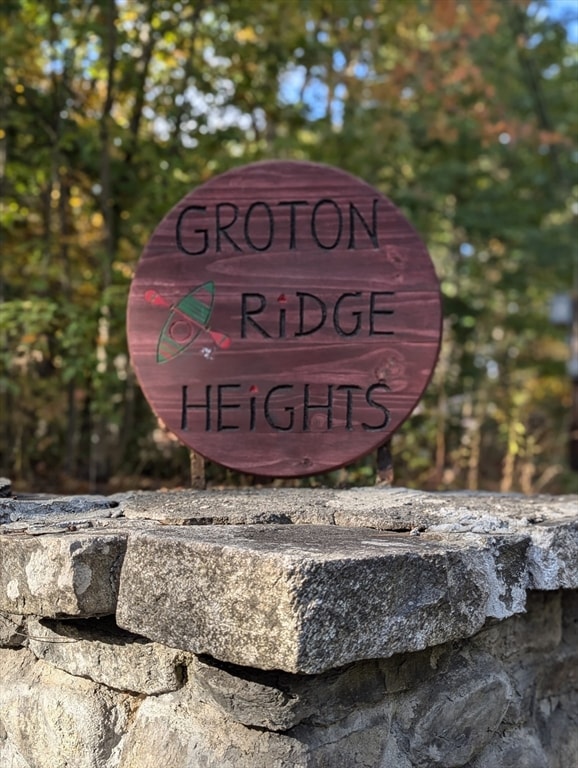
{"x":463,"y":112}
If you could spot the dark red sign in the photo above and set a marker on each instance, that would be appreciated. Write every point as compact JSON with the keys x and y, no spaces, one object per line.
{"x":284,"y":319}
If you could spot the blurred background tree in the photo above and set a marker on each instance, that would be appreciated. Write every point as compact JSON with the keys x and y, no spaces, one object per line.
{"x":463,"y":112}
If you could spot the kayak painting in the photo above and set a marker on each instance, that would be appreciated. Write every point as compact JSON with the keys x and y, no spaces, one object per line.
{"x":187,"y":320}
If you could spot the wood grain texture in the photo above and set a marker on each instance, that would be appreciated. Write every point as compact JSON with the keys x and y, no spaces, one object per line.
{"x":284,"y":319}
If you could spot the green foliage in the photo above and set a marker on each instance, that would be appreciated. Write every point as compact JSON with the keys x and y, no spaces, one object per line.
{"x":464,"y":112}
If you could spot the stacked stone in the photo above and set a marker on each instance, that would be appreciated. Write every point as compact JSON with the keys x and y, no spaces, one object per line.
{"x":276,"y":629}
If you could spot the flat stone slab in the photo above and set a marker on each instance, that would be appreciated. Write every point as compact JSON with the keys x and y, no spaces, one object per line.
{"x":105,"y":654}
{"x":238,"y":507}
{"x":68,"y":573}
{"x":308,"y":598}
{"x":393,"y":509}
{"x":43,"y":508}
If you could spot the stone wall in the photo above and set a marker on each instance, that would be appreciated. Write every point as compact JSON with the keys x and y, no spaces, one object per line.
{"x":367,"y":628}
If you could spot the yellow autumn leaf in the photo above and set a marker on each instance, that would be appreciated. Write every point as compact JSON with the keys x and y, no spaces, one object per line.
{"x":246,"y":35}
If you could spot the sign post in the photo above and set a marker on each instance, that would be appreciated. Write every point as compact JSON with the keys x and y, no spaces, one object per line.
{"x":284,"y":319}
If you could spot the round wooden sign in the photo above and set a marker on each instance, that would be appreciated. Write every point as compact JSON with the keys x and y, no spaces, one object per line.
{"x":284,"y":319}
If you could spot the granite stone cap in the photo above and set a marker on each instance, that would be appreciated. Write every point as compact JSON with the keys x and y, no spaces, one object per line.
{"x":301,"y":580}
{"x":392,"y":509}
{"x":68,"y":573}
{"x":309,"y":598}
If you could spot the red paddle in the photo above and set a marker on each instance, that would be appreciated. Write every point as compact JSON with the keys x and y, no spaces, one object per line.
{"x":221,"y":339}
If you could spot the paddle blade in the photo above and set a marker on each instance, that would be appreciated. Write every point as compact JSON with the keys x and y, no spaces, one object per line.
{"x":221,"y":339}
{"x":156,"y":299}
